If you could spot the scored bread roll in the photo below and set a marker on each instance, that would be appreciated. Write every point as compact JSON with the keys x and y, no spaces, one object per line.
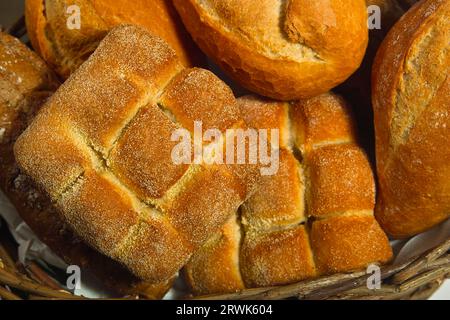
{"x":314,"y":217}
{"x":102,"y":149}
{"x":25,"y":85}
{"x":66,"y":49}
{"x":412,"y":120}
{"x":281,"y":49}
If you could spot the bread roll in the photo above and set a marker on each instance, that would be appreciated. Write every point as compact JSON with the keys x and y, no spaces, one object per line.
{"x":66,"y":49}
{"x":25,"y":84}
{"x":280,"y":49}
{"x":102,"y":149}
{"x":314,"y":217}
{"x":412,"y":121}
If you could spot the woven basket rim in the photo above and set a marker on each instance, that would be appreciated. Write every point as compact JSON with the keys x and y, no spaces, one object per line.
{"x":417,"y":278}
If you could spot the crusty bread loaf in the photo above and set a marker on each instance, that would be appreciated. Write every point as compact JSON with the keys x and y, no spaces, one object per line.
{"x":66,"y":49}
{"x":314,"y":217}
{"x":25,"y":84}
{"x":101,"y":148}
{"x":412,"y":120}
{"x":280,"y":49}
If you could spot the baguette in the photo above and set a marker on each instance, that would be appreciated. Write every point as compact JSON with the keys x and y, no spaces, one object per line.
{"x":412,"y":121}
{"x":281,"y":49}
{"x":65,"y":49}
{"x":314,"y":217}
{"x":101,"y":149}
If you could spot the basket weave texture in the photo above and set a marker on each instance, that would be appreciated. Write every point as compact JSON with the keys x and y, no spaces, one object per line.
{"x":417,"y":278}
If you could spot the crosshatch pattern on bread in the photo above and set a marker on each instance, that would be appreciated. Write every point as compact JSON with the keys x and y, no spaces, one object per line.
{"x":26,"y":83}
{"x":101,"y":148}
{"x":314,"y":217}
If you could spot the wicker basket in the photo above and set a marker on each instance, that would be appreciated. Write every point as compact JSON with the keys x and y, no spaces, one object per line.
{"x":418,"y":278}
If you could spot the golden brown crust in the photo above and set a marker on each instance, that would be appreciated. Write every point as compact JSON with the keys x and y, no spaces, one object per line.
{"x":29,"y":84}
{"x":334,"y":188}
{"x":204,"y":204}
{"x":196,"y":94}
{"x":80,"y":151}
{"x":268,"y":115}
{"x":142,"y":143}
{"x":318,"y":45}
{"x":348,"y":243}
{"x":314,"y":217}
{"x":221,"y":254}
{"x":325,"y":119}
{"x":411,"y":104}
{"x":277,"y":257}
{"x":279,"y":199}
{"x":66,"y":49}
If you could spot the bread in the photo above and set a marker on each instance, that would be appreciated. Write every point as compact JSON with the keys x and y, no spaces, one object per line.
{"x":25,"y":84}
{"x":411,"y":103}
{"x":101,"y":148}
{"x":66,"y":49}
{"x":314,"y":217}
{"x":280,"y":49}
{"x":412,"y":121}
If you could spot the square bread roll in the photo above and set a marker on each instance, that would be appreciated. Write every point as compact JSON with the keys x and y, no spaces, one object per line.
{"x":101,"y":148}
